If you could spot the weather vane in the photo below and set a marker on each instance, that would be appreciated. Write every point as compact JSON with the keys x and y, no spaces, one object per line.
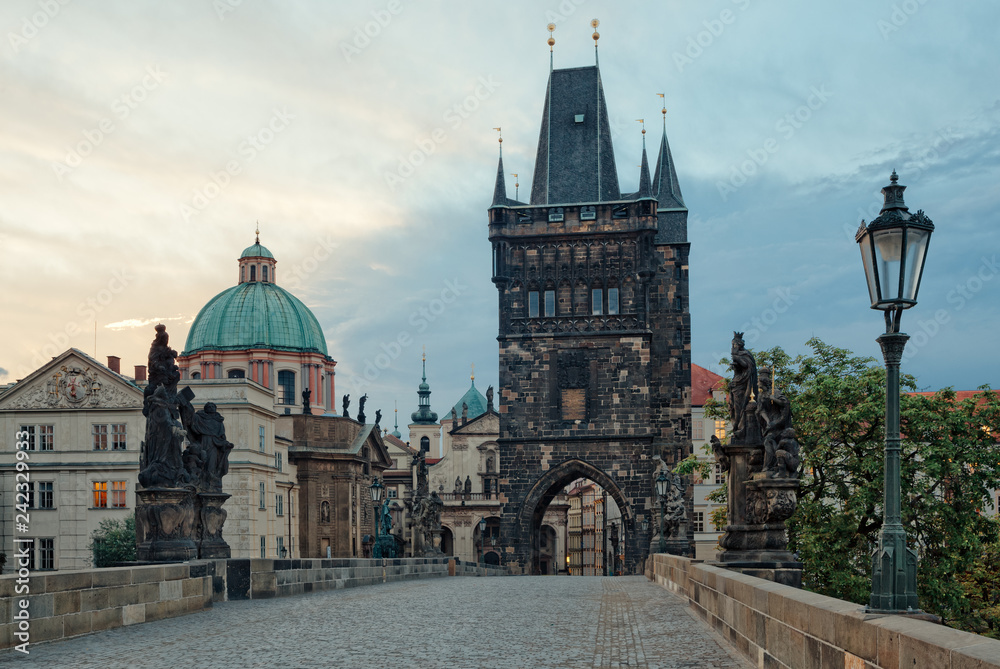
{"x":516,"y":184}
{"x":643,"y":122}
{"x":499,"y":135}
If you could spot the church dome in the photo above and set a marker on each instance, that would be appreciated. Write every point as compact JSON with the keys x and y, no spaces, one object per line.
{"x":255,"y":315}
{"x":472,"y":399}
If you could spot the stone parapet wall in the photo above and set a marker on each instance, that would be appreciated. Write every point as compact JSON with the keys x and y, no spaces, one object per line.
{"x":70,"y":603}
{"x":775,"y":625}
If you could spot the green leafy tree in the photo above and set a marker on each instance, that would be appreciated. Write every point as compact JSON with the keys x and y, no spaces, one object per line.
{"x":113,"y":542}
{"x":950,"y":465}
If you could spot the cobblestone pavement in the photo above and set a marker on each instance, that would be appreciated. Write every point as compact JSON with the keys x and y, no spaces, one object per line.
{"x":525,"y":621}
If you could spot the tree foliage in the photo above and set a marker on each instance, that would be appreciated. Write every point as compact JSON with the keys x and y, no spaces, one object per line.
{"x":113,"y":542}
{"x":950,"y":466}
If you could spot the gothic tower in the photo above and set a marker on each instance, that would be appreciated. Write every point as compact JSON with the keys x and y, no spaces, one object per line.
{"x":594,"y":328}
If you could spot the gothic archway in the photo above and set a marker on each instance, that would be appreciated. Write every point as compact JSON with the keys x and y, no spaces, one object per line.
{"x":549,"y":485}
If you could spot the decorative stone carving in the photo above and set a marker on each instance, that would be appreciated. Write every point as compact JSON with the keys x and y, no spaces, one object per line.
{"x":346,"y":404}
{"x":361,"y":408}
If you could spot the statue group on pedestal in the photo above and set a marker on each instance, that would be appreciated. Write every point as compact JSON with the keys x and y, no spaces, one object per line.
{"x":179,"y":514}
{"x":424,"y":509}
{"x":762,"y":460}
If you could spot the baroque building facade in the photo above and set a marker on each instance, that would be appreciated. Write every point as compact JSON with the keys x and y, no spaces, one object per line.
{"x":594,"y":327}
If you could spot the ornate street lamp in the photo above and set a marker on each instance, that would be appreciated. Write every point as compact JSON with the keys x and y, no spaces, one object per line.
{"x":482,"y":540}
{"x":375,"y":489}
{"x":893,"y":248}
{"x":662,"y":488}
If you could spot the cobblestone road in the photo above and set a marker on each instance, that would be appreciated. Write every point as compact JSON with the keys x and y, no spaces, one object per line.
{"x":526,"y":621}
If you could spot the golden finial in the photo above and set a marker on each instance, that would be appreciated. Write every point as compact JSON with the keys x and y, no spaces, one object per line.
{"x":425,"y":353}
{"x":643,"y":122}
{"x":473,"y":377}
{"x":500,"y":135}
{"x":257,"y":232}
{"x":596,"y":35}
{"x":664,"y":110}
{"x":516,"y":184}
{"x":552,"y":40}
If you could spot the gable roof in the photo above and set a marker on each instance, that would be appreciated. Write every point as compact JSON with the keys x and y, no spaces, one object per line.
{"x":46,"y":388}
{"x":703,"y":382}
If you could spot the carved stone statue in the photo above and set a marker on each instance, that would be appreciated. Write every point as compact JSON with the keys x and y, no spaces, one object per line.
{"x":787,"y":455}
{"x":774,"y":414}
{"x":160,"y":462}
{"x":742,"y":390}
{"x":306,"y":394}
{"x":361,"y":408}
{"x":208,"y":449}
{"x":468,"y":485}
{"x":378,"y":416}
{"x":386,"y":517}
{"x":429,"y":512}
{"x":454,"y":418}
{"x":720,"y":455}
{"x":347,"y":403}
{"x":489,"y":398}
{"x":674,"y":511}
{"x":465,"y":413}
{"x":458,"y":485}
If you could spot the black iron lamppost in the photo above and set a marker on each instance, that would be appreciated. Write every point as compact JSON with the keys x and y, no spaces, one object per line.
{"x":662,"y":488}
{"x":482,"y":540}
{"x":376,"y":489}
{"x":893,"y":248}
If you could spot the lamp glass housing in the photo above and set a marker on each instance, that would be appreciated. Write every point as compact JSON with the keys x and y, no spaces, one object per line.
{"x":662,"y":484}
{"x":376,"y":490}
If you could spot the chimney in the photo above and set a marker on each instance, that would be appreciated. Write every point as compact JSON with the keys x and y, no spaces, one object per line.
{"x":115,"y":364}
{"x":140,"y":372}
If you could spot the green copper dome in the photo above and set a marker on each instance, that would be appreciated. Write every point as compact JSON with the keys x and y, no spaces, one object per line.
{"x":257,"y":250}
{"x":255,"y":315}
{"x":472,"y":399}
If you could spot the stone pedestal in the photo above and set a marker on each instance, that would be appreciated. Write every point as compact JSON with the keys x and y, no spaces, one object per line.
{"x":165,"y":524}
{"x":756,"y":541}
{"x":212,"y":517}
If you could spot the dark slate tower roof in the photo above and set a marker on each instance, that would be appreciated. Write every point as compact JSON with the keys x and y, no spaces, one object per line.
{"x":500,"y":189}
{"x":644,"y":187}
{"x":665,"y":186}
{"x":575,"y":160}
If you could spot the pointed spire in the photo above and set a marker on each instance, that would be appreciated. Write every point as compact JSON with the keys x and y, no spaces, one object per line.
{"x":666,"y":189}
{"x":552,"y":42}
{"x":645,"y":190}
{"x":423,"y":415}
{"x":500,"y":189}
{"x":395,"y":431}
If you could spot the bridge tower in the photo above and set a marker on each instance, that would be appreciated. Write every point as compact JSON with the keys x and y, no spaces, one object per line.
{"x":594,"y":327}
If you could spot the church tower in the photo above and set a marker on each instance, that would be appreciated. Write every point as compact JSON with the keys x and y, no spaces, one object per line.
{"x":594,"y":328}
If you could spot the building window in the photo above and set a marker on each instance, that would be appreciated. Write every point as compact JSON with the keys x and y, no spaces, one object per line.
{"x":277,"y":460}
{"x":281,"y":540}
{"x":596,"y":301}
{"x":263,"y":504}
{"x":100,"y":494}
{"x":324,"y":512}
{"x":263,"y":547}
{"x":118,"y":437}
{"x":118,"y":489}
{"x":264,"y":270}
{"x":532,"y":304}
{"x":425,"y":444}
{"x":699,"y":521}
{"x":29,"y":545}
{"x":100,"y":433}
{"x":612,"y":301}
{"x":550,"y":303}
{"x":47,"y":554}
{"x":291,"y":504}
{"x":253,"y":277}
{"x":39,"y":437}
{"x":286,"y":386}
{"x":718,"y":473}
{"x":698,"y":430}
{"x":720,"y":429}
{"x":237,"y":374}
{"x":45,"y":496}
{"x":391,"y":493}
{"x":279,"y":504}
{"x":29,"y":493}
{"x":195,"y":375}
{"x":260,"y":439}
{"x":677,"y":304}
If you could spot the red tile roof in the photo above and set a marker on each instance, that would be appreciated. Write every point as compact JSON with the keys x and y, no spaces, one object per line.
{"x":703,"y":382}
{"x":960,"y":395}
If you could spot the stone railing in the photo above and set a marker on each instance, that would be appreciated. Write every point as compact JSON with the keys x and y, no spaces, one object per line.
{"x":469,"y":497}
{"x":70,"y":603}
{"x":776,"y":625}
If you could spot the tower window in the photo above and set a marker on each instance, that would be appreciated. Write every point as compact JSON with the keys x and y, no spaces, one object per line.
{"x":612,"y":301}
{"x":532,"y":304}
{"x":286,"y":386}
{"x":550,"y":303}
{"x":425,"y":444}
{"x":236,"y":374}
{"x":253,"y":272}
{"x":264,"y":270}
{"x":243,"y":273}
{"x":596,"y":301}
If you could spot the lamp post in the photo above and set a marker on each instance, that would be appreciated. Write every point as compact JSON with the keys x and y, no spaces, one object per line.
{"x":893,"y":248}
{"x":376,"y":489}
{"x":482,"y":540}
{"x":662,"y":487}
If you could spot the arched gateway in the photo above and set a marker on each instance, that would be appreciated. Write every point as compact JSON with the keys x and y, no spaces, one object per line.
{"x":595,"y":374}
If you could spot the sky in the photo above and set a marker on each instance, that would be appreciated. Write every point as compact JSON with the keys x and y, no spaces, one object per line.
{"x":141,"y":142}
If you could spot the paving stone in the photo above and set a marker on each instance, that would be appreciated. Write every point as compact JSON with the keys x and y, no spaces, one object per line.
{"x":525,"y":621}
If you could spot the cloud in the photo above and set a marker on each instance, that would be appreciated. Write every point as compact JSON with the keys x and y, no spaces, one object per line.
{"x":132,"y":323}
